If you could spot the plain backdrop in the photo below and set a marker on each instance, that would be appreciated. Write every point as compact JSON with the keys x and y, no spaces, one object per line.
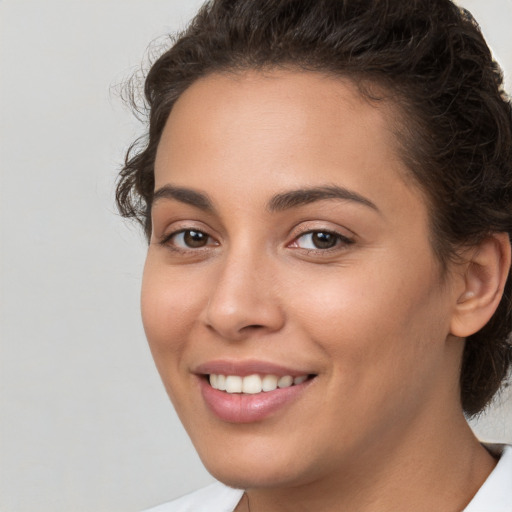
{"x":85,"y":424}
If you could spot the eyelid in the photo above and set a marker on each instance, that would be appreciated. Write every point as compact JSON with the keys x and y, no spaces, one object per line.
{"x":322,"y":226}
{"x":165,"y":240}
{"x":343,"y":240}
{"x":171,"y":235}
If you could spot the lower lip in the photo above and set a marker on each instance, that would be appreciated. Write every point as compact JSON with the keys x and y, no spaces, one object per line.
{"x":246,"y":408}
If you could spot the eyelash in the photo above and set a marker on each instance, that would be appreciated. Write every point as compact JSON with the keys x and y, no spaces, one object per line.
{"x":341,"y":241}
{"x":167,"y":240}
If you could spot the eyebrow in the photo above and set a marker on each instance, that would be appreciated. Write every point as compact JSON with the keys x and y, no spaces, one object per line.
{"x":303,"y":196}
{"x":184,"y":195}
{"x":280,"y":202}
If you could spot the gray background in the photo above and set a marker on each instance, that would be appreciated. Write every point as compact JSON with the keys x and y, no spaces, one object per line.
{"x":84,"y":421}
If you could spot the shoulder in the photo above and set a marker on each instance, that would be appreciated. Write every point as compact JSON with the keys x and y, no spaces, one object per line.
{"x":495,"y":495}
{"x":216,"y":497}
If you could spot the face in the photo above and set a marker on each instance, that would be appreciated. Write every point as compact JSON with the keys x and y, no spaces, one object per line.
{"x":290,"y":263}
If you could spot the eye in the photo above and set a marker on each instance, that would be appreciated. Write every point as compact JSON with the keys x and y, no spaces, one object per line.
{"x":320,"y":240}
{"x":188,"y":239}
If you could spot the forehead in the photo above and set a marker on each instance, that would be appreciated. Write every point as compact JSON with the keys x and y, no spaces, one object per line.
{"x":295,"y":100}
{"x":277,"y":129}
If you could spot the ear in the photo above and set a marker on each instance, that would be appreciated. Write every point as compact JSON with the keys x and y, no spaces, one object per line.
{"x":484,"y":280}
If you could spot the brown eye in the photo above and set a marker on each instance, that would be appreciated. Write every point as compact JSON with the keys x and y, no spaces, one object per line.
{"x":194,"y":239}
{"x":188,"y":239}
{"x":321,"y":240}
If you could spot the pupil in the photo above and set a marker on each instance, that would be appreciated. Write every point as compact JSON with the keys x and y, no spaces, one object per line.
{"x":324,"y":240}
{"x":195,"y":239}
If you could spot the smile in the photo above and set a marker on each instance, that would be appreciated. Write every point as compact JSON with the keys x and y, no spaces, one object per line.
{"x":251,"y":398}
{"x":253,"y":384}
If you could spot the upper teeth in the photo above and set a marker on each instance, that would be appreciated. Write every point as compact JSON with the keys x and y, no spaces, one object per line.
{"x":253,"y":383}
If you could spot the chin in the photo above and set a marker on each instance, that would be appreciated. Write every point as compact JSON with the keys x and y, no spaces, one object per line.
{"x":254,"y":478}
{"x":260,"y":470}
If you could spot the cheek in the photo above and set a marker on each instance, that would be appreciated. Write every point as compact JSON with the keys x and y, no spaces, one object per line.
{"x":169,"y":307}
{"x":363,"y":318}
{"x":381,"y":334}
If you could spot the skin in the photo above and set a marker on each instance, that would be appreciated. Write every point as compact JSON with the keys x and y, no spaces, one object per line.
{"x":380,"y":428}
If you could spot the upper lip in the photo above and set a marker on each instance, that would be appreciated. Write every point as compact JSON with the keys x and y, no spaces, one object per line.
{"x":247,"y":367}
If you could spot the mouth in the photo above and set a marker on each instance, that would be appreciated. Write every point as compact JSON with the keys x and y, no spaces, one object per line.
{"x":255,"y":383}
{"x":250,"y":392}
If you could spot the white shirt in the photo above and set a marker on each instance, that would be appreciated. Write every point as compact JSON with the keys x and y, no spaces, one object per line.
{"x":495,"y":495}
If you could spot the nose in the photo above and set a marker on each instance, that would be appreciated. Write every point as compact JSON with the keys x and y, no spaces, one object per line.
{"x":244,"y":299}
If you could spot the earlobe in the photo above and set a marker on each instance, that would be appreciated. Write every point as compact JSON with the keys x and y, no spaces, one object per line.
{"x":487,"y":270}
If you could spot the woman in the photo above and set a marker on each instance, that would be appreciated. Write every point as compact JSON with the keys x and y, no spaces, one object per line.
{"x":326,"y":189}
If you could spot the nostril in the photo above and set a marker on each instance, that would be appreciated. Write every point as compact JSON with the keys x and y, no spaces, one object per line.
{"x":251,"y":328}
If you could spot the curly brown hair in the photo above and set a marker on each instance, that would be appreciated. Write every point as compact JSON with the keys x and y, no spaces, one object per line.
{"x":430,"y":59}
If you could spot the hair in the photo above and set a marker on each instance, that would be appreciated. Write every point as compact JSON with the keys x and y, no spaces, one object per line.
{"x":454,"y":122}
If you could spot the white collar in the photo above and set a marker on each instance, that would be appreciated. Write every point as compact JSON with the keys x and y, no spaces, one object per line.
{"x":495,"y":495}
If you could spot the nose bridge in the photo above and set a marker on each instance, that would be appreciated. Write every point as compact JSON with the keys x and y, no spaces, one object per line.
{"x":243,"y":298}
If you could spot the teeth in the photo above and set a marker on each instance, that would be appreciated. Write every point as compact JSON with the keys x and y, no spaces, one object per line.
{"x":233,"y":384}
{"x":221,"y":382}
{"x":269,"y":383}
{"x":285,"y":382}
{"x":253,"y":384}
